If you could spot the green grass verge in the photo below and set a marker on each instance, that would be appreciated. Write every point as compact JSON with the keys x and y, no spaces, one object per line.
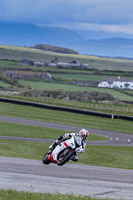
{"x":27,"y":131}
{"x":86,"y":76}
{"x":39,"y":114}
{"x":83,"y":77}
{"x":118,"y":109}
{"x":14,"y":195}
{"x":107,"y":156}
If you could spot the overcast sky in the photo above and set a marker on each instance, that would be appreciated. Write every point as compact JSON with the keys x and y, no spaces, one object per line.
{"x":100,"y":15}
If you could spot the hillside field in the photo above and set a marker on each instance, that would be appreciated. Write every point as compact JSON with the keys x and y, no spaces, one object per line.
{"x":99,"y":67}
{"x":101,"y":63}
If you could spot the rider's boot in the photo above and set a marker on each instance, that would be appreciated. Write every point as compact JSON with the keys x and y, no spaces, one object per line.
{"x":74,"y":158}
{"x":52,"y":146}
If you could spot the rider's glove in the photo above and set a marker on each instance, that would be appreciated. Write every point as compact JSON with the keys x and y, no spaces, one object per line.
{"x":80,"y":150}
{"x":50,"y":146}
{"x":83,"y":150}
{"x":84,"y":144}
{"x":67,"y":135}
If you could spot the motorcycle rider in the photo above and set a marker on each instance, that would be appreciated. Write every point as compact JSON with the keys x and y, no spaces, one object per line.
{"x":79,"y":138}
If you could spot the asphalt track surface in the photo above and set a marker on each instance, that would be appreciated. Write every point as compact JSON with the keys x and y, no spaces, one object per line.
{"x":98,"y":182}
{"x":123,"y":138}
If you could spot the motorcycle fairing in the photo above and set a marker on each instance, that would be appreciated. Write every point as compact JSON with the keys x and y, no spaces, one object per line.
{"x":70,"y":143}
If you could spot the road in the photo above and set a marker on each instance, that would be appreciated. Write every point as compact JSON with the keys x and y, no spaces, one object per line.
{"x":33,"y":176}
{"x":123,"y":138}
{"x":98,"y":182}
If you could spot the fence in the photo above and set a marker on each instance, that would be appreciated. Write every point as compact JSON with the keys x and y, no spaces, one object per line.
{"x":79,"y":111}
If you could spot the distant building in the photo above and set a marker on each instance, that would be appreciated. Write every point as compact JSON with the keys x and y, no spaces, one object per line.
{"x":39,"y":64}
{"x":26,"y":75}
{"x":73,"y":64}
{"x":26,"y":62}
{"x":116,"y":83}
{"x":52,"y":65}
{"x":55,"y":63}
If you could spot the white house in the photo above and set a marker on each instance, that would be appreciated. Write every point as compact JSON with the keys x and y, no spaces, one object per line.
{"x":116,"y":83}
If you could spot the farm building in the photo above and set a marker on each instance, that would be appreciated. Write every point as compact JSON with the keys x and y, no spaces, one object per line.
{"x":55,"y":63}
{"x":72,"y":64}
{"x":52,"y":65}
{"x":116,"y":83}
{"x":26,"y":62}
{"x":25,"y":75}
{"x":39,"y":64}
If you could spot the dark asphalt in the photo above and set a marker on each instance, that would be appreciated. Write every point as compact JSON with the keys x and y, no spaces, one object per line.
{"x":97,"y":182}
{"x":28,"y":166}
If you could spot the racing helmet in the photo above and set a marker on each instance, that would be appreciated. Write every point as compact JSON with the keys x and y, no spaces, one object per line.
{"x":83,"y":133}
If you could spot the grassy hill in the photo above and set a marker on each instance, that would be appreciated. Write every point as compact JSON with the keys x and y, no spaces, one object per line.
{"x":101,"y":63}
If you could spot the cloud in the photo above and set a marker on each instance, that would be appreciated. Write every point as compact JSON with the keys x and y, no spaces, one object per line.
{"x":92,"y":11}
{"x":124,"y":28}
{"x":113,"y":16}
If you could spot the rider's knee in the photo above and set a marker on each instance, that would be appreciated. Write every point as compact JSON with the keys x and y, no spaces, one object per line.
{"x":60,"y":137}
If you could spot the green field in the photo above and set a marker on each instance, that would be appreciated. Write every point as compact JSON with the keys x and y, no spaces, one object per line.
{"x":99,"y":67}
{"x":85,"y":77}
{"x":3,"y":84}
{"x":27,"y":131}
{"x":39,"y":114}
{"x":17,"y":53}
{"x":67,"y":87}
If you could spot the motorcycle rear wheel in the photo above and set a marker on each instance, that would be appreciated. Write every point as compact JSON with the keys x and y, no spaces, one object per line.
{"x":65,"y":157}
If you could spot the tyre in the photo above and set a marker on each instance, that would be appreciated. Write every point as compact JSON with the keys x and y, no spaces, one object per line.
{"x":64,"y":157}
{"x":45,"y":159}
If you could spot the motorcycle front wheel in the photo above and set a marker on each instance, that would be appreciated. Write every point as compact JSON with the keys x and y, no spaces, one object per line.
{"x":64,"y":157}
{"x":45,"y":159}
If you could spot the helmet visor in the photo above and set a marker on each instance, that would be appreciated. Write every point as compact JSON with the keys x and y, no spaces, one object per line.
{"x":84,"y":137}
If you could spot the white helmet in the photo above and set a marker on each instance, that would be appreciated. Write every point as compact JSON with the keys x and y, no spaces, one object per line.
{"x":83,"y":133}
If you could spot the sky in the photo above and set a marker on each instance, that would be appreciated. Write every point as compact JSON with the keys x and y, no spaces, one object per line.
{"x":110,"y":16}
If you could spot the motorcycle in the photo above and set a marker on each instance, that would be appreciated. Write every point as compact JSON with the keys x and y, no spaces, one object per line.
{"x":63,"y":152}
